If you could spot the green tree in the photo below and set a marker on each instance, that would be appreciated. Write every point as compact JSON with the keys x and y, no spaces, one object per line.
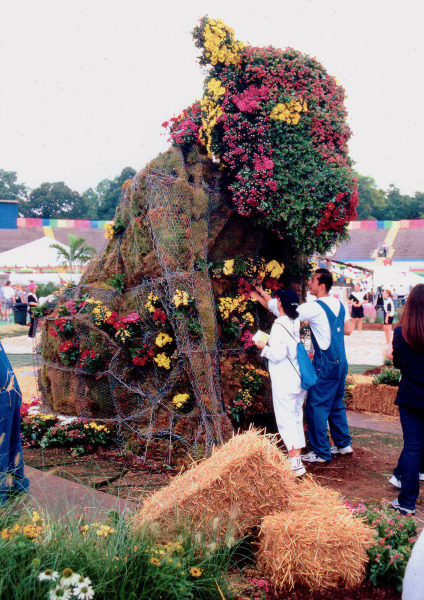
{"x":53,"y":200}
{"x":90,"y":204}
{"x":371,"y":199}
{"x":10,"y":189}
{"x":400,"y":206}
{"x":79,"y":252}
{"x":110,"y":192}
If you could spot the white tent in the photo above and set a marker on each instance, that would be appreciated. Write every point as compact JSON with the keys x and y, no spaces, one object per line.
{"x":392,"y":278}
{"x":34,"y":254}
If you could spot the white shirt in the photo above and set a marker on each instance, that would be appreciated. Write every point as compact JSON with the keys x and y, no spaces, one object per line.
{"x":281,"y":346}
{"x":389,"y":307}
{"x":8,"y":292}
{"x":358,"y":295}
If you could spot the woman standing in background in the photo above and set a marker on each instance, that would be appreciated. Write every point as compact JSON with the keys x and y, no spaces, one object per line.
{"x":389,"y":312}
{"x":408,"y":355}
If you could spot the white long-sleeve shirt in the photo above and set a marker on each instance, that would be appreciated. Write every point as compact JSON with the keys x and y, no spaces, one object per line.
{"x":282,"y":347}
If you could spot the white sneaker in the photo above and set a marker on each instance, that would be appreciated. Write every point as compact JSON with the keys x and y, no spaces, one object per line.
{"x":336,"y":450}
{"x":421,"y":476}
{"x":297,"y":466}
{"x":312,"y":457}
{"x":395,"y":482}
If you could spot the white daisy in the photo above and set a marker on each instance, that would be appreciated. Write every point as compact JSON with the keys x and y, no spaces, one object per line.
{"x":60,"y":593}
{"x":67,"y":578}
{"x":78,"y":580}
{"x":83,"y":592}
{"x":48,"y":575}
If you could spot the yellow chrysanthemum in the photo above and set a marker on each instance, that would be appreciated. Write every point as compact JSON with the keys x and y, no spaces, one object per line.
{"x":289,"y":112}
{"x":163,"y":339}
{"x":162,"y":360}
{"x":228,"y":267}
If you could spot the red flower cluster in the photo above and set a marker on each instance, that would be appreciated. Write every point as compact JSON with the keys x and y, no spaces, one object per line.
{"x":143,"y":356}
{"x":336,"y":214}
{"x":159,"y":316}
{"x":66,"y":346}
{"x":53,"y":332}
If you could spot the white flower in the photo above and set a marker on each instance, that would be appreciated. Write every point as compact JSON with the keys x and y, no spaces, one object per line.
{"x":60,"y":593}
{"x":78,"y":580}
{"x":83,"y":592}
{"x":48,"y":575}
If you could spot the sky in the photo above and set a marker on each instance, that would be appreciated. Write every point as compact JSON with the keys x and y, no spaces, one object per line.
{"x":87,"y":84}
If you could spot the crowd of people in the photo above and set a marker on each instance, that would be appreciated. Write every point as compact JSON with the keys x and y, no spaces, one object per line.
{"x":16,"y":295}
{"x":324,"y":407}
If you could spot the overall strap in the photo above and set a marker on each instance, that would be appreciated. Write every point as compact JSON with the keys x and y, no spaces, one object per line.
{"x":336,"y":348}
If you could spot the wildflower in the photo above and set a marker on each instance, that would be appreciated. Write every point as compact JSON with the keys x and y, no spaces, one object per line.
{"x":155,"y":561}
{"x":67,"y":577}
{"x":83,"y":592}
{"x":60,"y":593}
{"x":48,"y":575}
{"x":196,"y":572}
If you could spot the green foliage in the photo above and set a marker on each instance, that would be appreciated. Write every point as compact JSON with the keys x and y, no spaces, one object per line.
{"x":109,"y":193}
{"x":389,"y":376}
{"x":10,"y":189}
{"x":45,"y":289}
{"x":394,"y":539}
{"x":117,"y":282}
{"x":79,"y":251}
{"x":34,"y":427}
{"x":390,"y":205}
{"x":77,"y":436}
{"x":118,"y":564}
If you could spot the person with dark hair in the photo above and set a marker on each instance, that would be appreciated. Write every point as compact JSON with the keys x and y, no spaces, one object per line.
{"x":329,"y":323}
{"x":357,"y":300}
{"x":32,"y":301}
{"x":389,"y":312}
{"x":287,"y":393}
{"x":407,"y":351}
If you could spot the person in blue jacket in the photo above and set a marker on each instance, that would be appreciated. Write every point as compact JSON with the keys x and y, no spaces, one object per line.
{"x":12,"y":478}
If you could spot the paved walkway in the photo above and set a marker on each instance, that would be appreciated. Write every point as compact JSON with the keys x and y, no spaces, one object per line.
{"x":68,"y":499}
{"x":366,"y":348}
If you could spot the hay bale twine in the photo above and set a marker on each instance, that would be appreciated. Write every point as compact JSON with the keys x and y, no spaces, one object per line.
{"x":316,"y":549}
{"x":243,"y":480}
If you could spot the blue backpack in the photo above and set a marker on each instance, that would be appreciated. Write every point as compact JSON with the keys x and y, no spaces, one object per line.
{"x":307,"y":374}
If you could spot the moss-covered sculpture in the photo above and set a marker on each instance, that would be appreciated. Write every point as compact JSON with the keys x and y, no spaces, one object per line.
{"x":157,"y":335}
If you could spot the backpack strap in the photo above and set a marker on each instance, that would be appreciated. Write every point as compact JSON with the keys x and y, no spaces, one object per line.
{"x":287,"y":354}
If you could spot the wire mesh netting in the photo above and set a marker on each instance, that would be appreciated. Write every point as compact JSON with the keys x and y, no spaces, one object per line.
{"x":123,"y":356}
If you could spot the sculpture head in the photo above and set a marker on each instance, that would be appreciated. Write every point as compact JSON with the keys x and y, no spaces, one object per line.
{"x":275,"y":121}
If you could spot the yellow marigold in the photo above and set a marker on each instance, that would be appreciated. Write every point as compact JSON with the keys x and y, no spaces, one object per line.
{"x":162,"y":339}
{"x":220,"y":44}
{"x":228,"y":267}
{"x":181,"y":298}
{"x":162,"y":360}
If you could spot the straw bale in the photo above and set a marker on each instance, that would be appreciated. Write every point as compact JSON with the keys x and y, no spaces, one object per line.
{"x":317,"y":549}
{"x":373,"y":398}
{"x":243,"y":480}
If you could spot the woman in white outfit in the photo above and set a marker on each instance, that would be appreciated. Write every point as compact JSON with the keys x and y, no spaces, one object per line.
{"x":287,"y":393}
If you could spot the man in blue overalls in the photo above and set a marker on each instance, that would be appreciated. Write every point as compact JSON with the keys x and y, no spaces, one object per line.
{"x":12,"y":478}
{"x":329,"y":323}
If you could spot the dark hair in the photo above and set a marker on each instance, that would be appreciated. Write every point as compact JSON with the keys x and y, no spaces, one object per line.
{"x":325,"y":277}
{"x":289,"y":301}
{"x":412,"y":319}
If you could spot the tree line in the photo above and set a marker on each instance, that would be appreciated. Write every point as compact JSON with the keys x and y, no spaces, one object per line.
{"x":58,"y":201}
{"x":389,"y":205}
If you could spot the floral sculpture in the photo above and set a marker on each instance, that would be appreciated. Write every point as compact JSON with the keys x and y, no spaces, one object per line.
{"x":275,"y":121}
{"x":157,"y":337}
